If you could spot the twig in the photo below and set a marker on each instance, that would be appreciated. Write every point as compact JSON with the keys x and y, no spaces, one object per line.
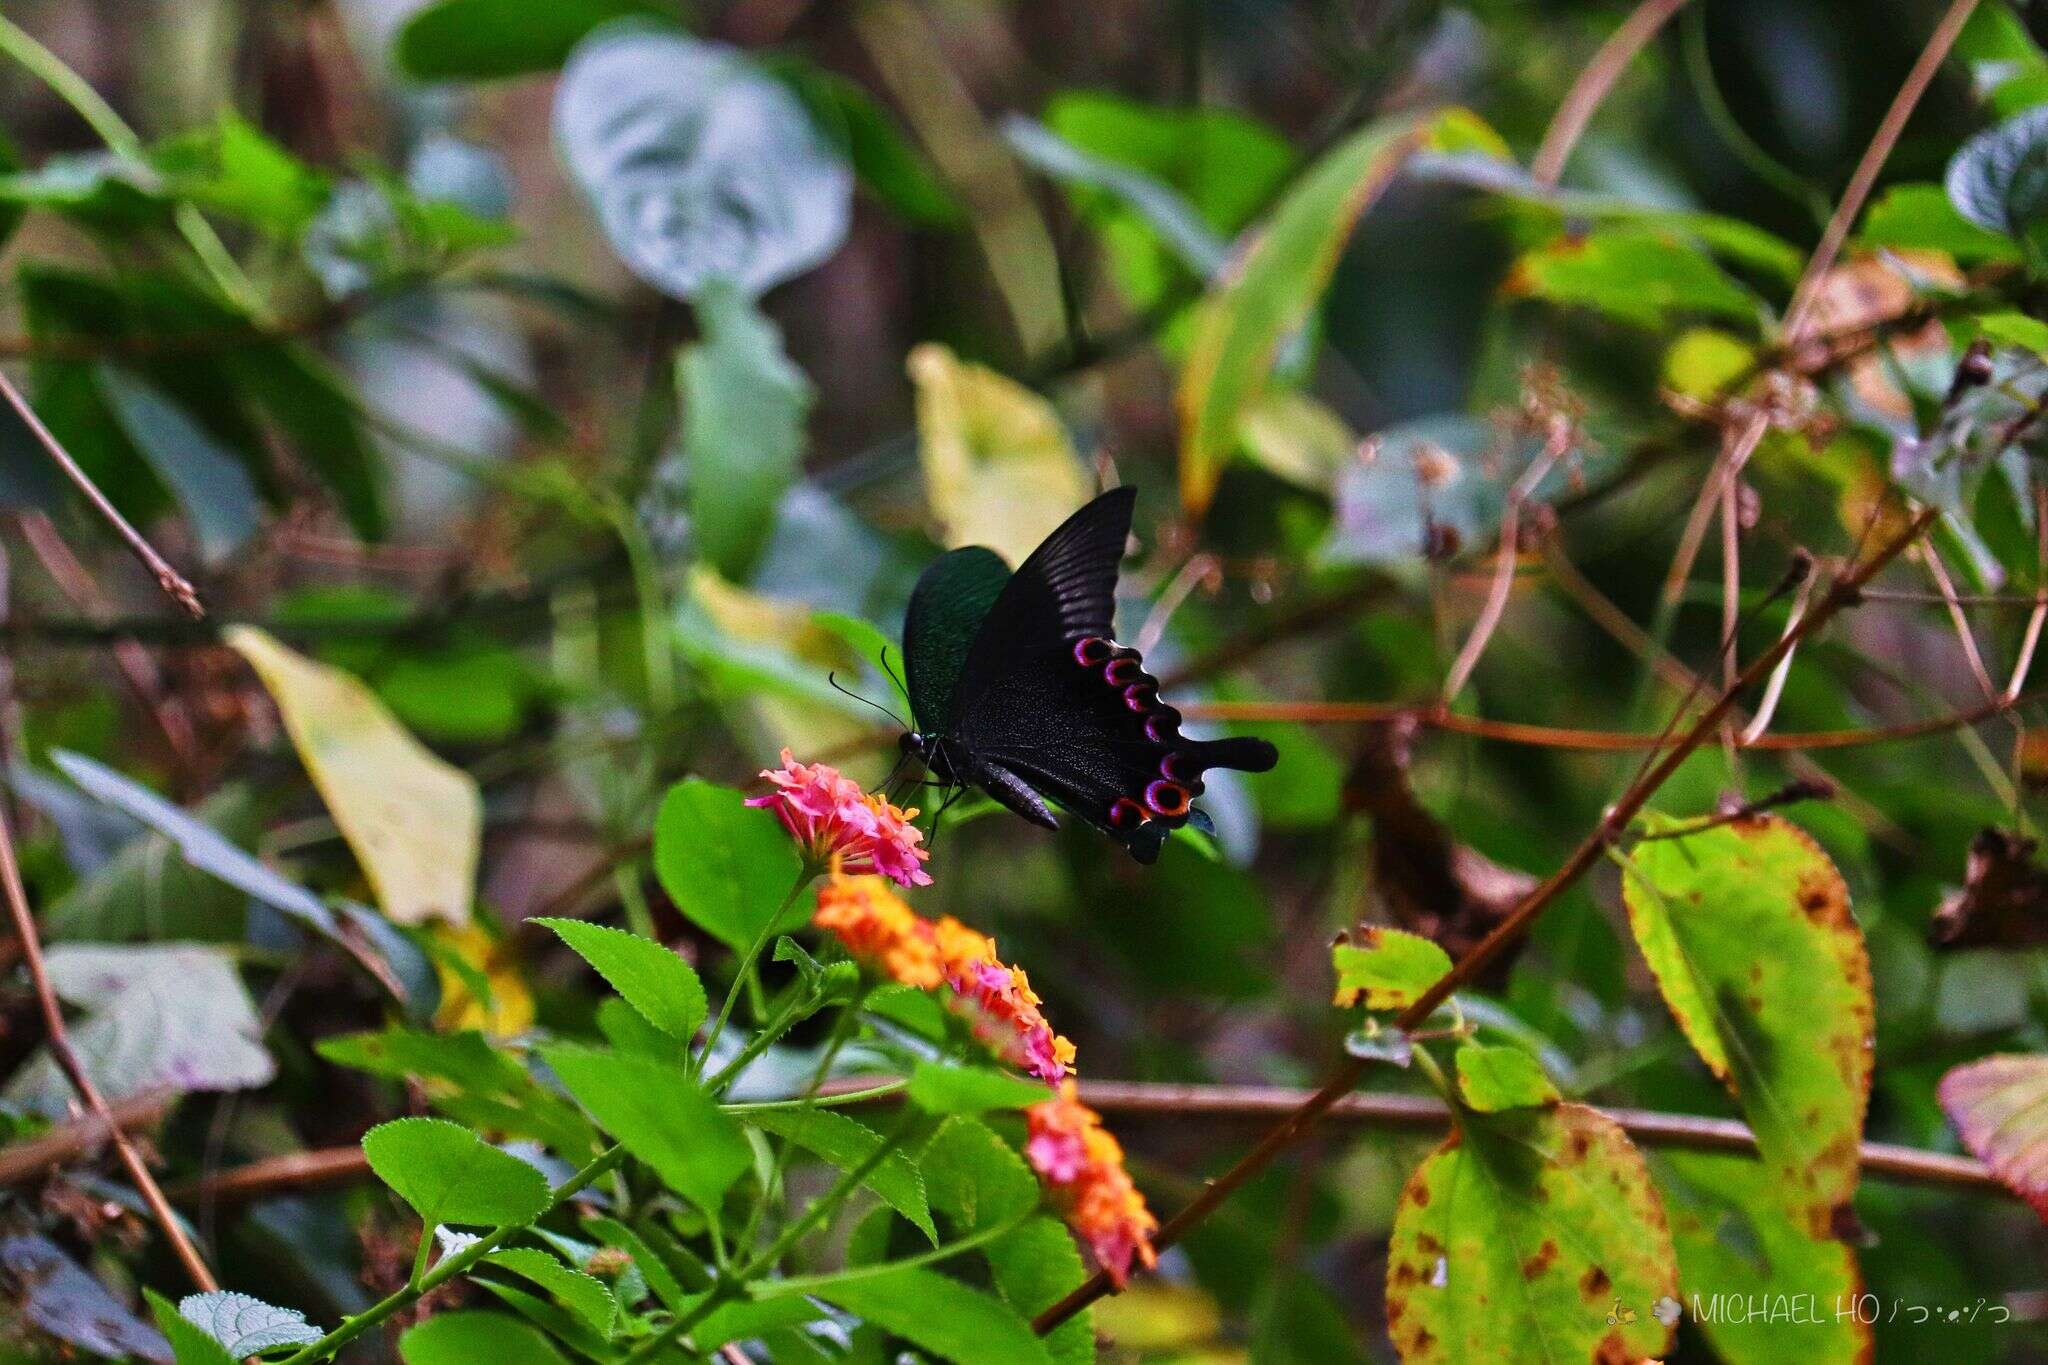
{"x":1775,"y":688}
{"x":76,"y":1139}
{"x":1503,"y":569}
{"x":1345,"y":1078}
{"x":168,"y":578}
{"x":2025,"y":659}
{"x":1930,"y":559}
{"x":1565,"y":737}
{"x":59,"y":1043}
{"x":1591,"y":88}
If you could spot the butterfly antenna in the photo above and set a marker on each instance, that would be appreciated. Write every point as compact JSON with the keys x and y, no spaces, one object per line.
{"x":902,"y":688}
{"x":834,"y":680}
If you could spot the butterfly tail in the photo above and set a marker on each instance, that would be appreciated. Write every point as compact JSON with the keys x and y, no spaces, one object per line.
{"x":1243,"y":754}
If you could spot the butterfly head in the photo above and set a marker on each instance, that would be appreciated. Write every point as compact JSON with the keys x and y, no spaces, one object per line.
{"x":929,"y":750}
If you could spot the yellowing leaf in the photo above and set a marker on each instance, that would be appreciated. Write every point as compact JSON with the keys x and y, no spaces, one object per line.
{"x":1530,"y":1235}
{"x":1297,"y":438}
{"x":1495,"y":1078}
{"x":1388,"y":968}
{"x":414,"y":822}
{"x":998,"y":467}
{"x":1746,"y":926}
{"x":503,"y":1007}
{"x":771,"y":658}
{"x":1705,"y":360}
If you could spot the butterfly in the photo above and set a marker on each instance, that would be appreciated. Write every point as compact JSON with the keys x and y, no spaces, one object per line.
{"x":1017,"y":687}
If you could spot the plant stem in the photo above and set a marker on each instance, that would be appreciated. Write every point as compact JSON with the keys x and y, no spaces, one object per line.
{"x":626,"y":880}
{"x":723,"y":1292}
{"x":811,"y":1284}
{"x":451,"y":1266}
{"x":750,"y":962}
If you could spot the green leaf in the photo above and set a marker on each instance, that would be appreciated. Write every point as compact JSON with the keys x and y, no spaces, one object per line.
{"x":725,"y":865}
{"x":845,"y":1143}
{"x":585,"y":1295}
{"x":884,"y":160}
{"x":484,"y":1087}
{"x":1521,"y":1238}
{"x":660,"y":1115}
{"x":1388,"y":969}
{"x":1747,"y":929}
{"x":159,"y":1016}
{"x":1271,"y":292}
{"x":1704,"y":361}
{"x":468,"y":1336}
{"x":937,"y":1088}
{"x":234,"y":169}
{"x":190,"y":1345}
{"x":1999,"y":178}
{"x":1999,"y":1106}
{"x":744,"y":407}
{"x":470,"y":40}
{"x":99,"y":189}
{"x":1734,"y":1238}
{"x":1035,"y":1266}
{"x":319,"y":417}
{"x":646,"y":1262}
{"x":972,"y":1176}
{"x":244,"y":1326}
{"x":629,"y":117}
{"x":942,"y":1316}
{"x":1634,"y":274}
{"x":1496,"y":1078}
{"x":648,"y":976}
{"x":210,"y":484}
{"x":450,"y":1175}
{"x":2014,"y":329}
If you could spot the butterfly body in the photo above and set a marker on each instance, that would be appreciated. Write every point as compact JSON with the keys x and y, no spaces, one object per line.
{"x":1019,"y":688}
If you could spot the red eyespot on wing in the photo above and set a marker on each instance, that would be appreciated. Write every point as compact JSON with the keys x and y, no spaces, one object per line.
{"x":1091,"y":651}
{"x":1139,"y":697}
{"x":1163,"y":725}
{"x":1167,"y":798}
{"x":1125,"y":814}
{"x":1123,"y":671}
{"x":1171,"y":766}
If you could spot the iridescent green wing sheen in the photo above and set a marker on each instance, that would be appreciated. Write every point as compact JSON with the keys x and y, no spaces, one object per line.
{"x":952,"y":599}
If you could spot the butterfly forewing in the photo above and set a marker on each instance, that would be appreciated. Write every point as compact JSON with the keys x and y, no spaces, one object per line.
{"x":952,"y":599}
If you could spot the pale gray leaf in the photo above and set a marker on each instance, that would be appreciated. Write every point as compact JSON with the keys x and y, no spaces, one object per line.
{"x":63,"y":1300}
{"x":1999,"y":178}
{"x":209,"y":483}
{"x":246,"y":1326}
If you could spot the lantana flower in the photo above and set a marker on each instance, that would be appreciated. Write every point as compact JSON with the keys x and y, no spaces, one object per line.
{"x":1083,"y":1166}
{"x":1074,"y":1155}
{"x":837,"y":823}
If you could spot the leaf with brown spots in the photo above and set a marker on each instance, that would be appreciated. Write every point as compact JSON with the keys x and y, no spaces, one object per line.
{"x":1999,"y":1106}
{"x":1746,"y":926}
{"x":1522,"y":1236}
{"x":2004,"y":899}
{"x":1735,"y":1237}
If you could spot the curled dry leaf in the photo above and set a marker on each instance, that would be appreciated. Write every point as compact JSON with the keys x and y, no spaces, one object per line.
{"x":1999,"y":1106}
{"x":2003,"y":902}
{"x":1871,"y":292}
{"x":1430,"y":884}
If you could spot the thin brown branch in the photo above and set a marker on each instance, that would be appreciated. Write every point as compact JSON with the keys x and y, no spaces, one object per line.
{"x":61,"y":1051}
{"x":1841,"y":595}
{"x":76,"y":1140}
{"x":1930,"y":559}
{"x":1565,"y":737}
{"x":169,"y":579}
{"x":1503,"y":571}
{"x":1594,"y":83}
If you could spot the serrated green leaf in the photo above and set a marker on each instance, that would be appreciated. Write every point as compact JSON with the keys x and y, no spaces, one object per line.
{"x":1522,"y":1237}
{"x":942,"y":1316}
{"x":450,"y":1175}
{"x":1494,"y":1078}
{"x":725,"y":865}
{"x":941,"y":1089}
{"x":647,"y":976}
{"x":190,"y":1345}
{"x":1035,"y":1266}
{"x":1387,"y":969}
{"x":660,"y":1115}
{"x":846,"y":1143}
{"x":1633,"y":274}
{"x":1747,"y":929}
{"x":1921,"y":218}
{"x":584,"y":1294}
{"x":973,"y":1177}
{"x":468,"y":1336}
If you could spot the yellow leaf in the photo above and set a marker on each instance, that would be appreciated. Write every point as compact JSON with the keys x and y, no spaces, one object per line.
{"x":509,"y":1009}
{"x":1297,"y":438}
{"x":771,"y":658}
{"x":998,"y":468}
{"x":413,"y":821}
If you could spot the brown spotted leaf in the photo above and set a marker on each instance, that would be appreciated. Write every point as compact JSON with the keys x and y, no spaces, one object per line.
{"x":1746,"y":926}
{"x":2000,"y":1107}
{"x":2004,"y":899}
{"x":1534,"y":1235}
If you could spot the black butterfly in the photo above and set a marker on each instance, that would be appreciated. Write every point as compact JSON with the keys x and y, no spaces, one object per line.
{"x":1017,"y":688}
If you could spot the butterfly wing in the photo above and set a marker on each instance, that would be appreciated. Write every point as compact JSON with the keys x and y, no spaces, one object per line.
{"x":952,"y":598}
{"x":1047,"y":701}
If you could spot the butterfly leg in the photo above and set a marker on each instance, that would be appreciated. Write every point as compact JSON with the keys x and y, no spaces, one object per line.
{"x":1014,"y":792}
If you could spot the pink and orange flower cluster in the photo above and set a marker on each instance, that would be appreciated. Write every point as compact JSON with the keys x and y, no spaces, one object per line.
{"x":1074,"y":1155}
{"x":837,"y":824}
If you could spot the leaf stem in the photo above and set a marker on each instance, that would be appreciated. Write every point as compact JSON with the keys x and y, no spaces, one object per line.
{"x":811,"y":1284}
{"x":750,"y":963}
